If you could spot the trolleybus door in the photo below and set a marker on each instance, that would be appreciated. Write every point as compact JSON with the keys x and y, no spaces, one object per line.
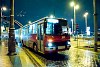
{"x":40,"y":37}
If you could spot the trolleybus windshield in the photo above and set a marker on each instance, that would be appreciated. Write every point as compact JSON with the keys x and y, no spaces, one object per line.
{"x":56,"y":27}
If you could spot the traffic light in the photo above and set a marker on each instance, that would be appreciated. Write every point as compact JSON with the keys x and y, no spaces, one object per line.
{"x":77,"y":27}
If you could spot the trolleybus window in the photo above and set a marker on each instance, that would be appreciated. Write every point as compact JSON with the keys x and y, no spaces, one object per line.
{"x":30,"y":29}
{"x":35,"y":28}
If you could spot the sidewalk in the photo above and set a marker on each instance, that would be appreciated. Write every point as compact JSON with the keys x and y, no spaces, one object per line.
{"x":4,"y":59}
{"x":83,"y":44}
{"x":19,"y":60}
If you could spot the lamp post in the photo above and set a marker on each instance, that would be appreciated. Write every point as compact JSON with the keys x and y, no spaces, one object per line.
{"x":72,"y":25}
{"x":75,"y":6}
{"x":11,"y":41}
{"x":95,"y":25}
{"x":0,"y":21}
{"x":1,"y":9}
{"x":85,"y":16}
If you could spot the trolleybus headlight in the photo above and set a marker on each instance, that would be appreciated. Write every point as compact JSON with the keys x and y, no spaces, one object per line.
{"x":68,"y":42}
{"x":49,"y":40}
{"x":50,"y":44}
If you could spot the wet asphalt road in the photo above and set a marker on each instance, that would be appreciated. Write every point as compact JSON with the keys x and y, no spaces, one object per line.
{"x":71,"y":58}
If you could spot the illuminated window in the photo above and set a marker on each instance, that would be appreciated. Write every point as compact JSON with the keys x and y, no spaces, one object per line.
{"x":49,"y":29}
{"x":34,"y":28}
{"x":30,"y":29}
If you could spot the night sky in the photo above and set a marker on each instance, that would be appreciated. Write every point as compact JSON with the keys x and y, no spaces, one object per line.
{"x":31,"y":10}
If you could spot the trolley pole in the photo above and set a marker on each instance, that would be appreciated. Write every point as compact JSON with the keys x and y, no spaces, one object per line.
{"x":95,"y":25}
{"x":11,"y":41}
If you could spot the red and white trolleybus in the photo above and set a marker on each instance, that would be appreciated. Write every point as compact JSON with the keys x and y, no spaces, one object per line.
{"x":46,"y":35}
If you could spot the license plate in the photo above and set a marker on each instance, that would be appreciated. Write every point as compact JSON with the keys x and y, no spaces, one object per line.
{"x":61,"y":47}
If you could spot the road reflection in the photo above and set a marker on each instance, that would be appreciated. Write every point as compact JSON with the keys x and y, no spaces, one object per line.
{"x":72,"y":58}
{"x":83,"y":58}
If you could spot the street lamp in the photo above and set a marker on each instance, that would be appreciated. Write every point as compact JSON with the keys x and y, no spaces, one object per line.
{"x":75,"y":6}
{"x":4,"y":8}
{"x":1,"y":9}
{"x":85,"y":16}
